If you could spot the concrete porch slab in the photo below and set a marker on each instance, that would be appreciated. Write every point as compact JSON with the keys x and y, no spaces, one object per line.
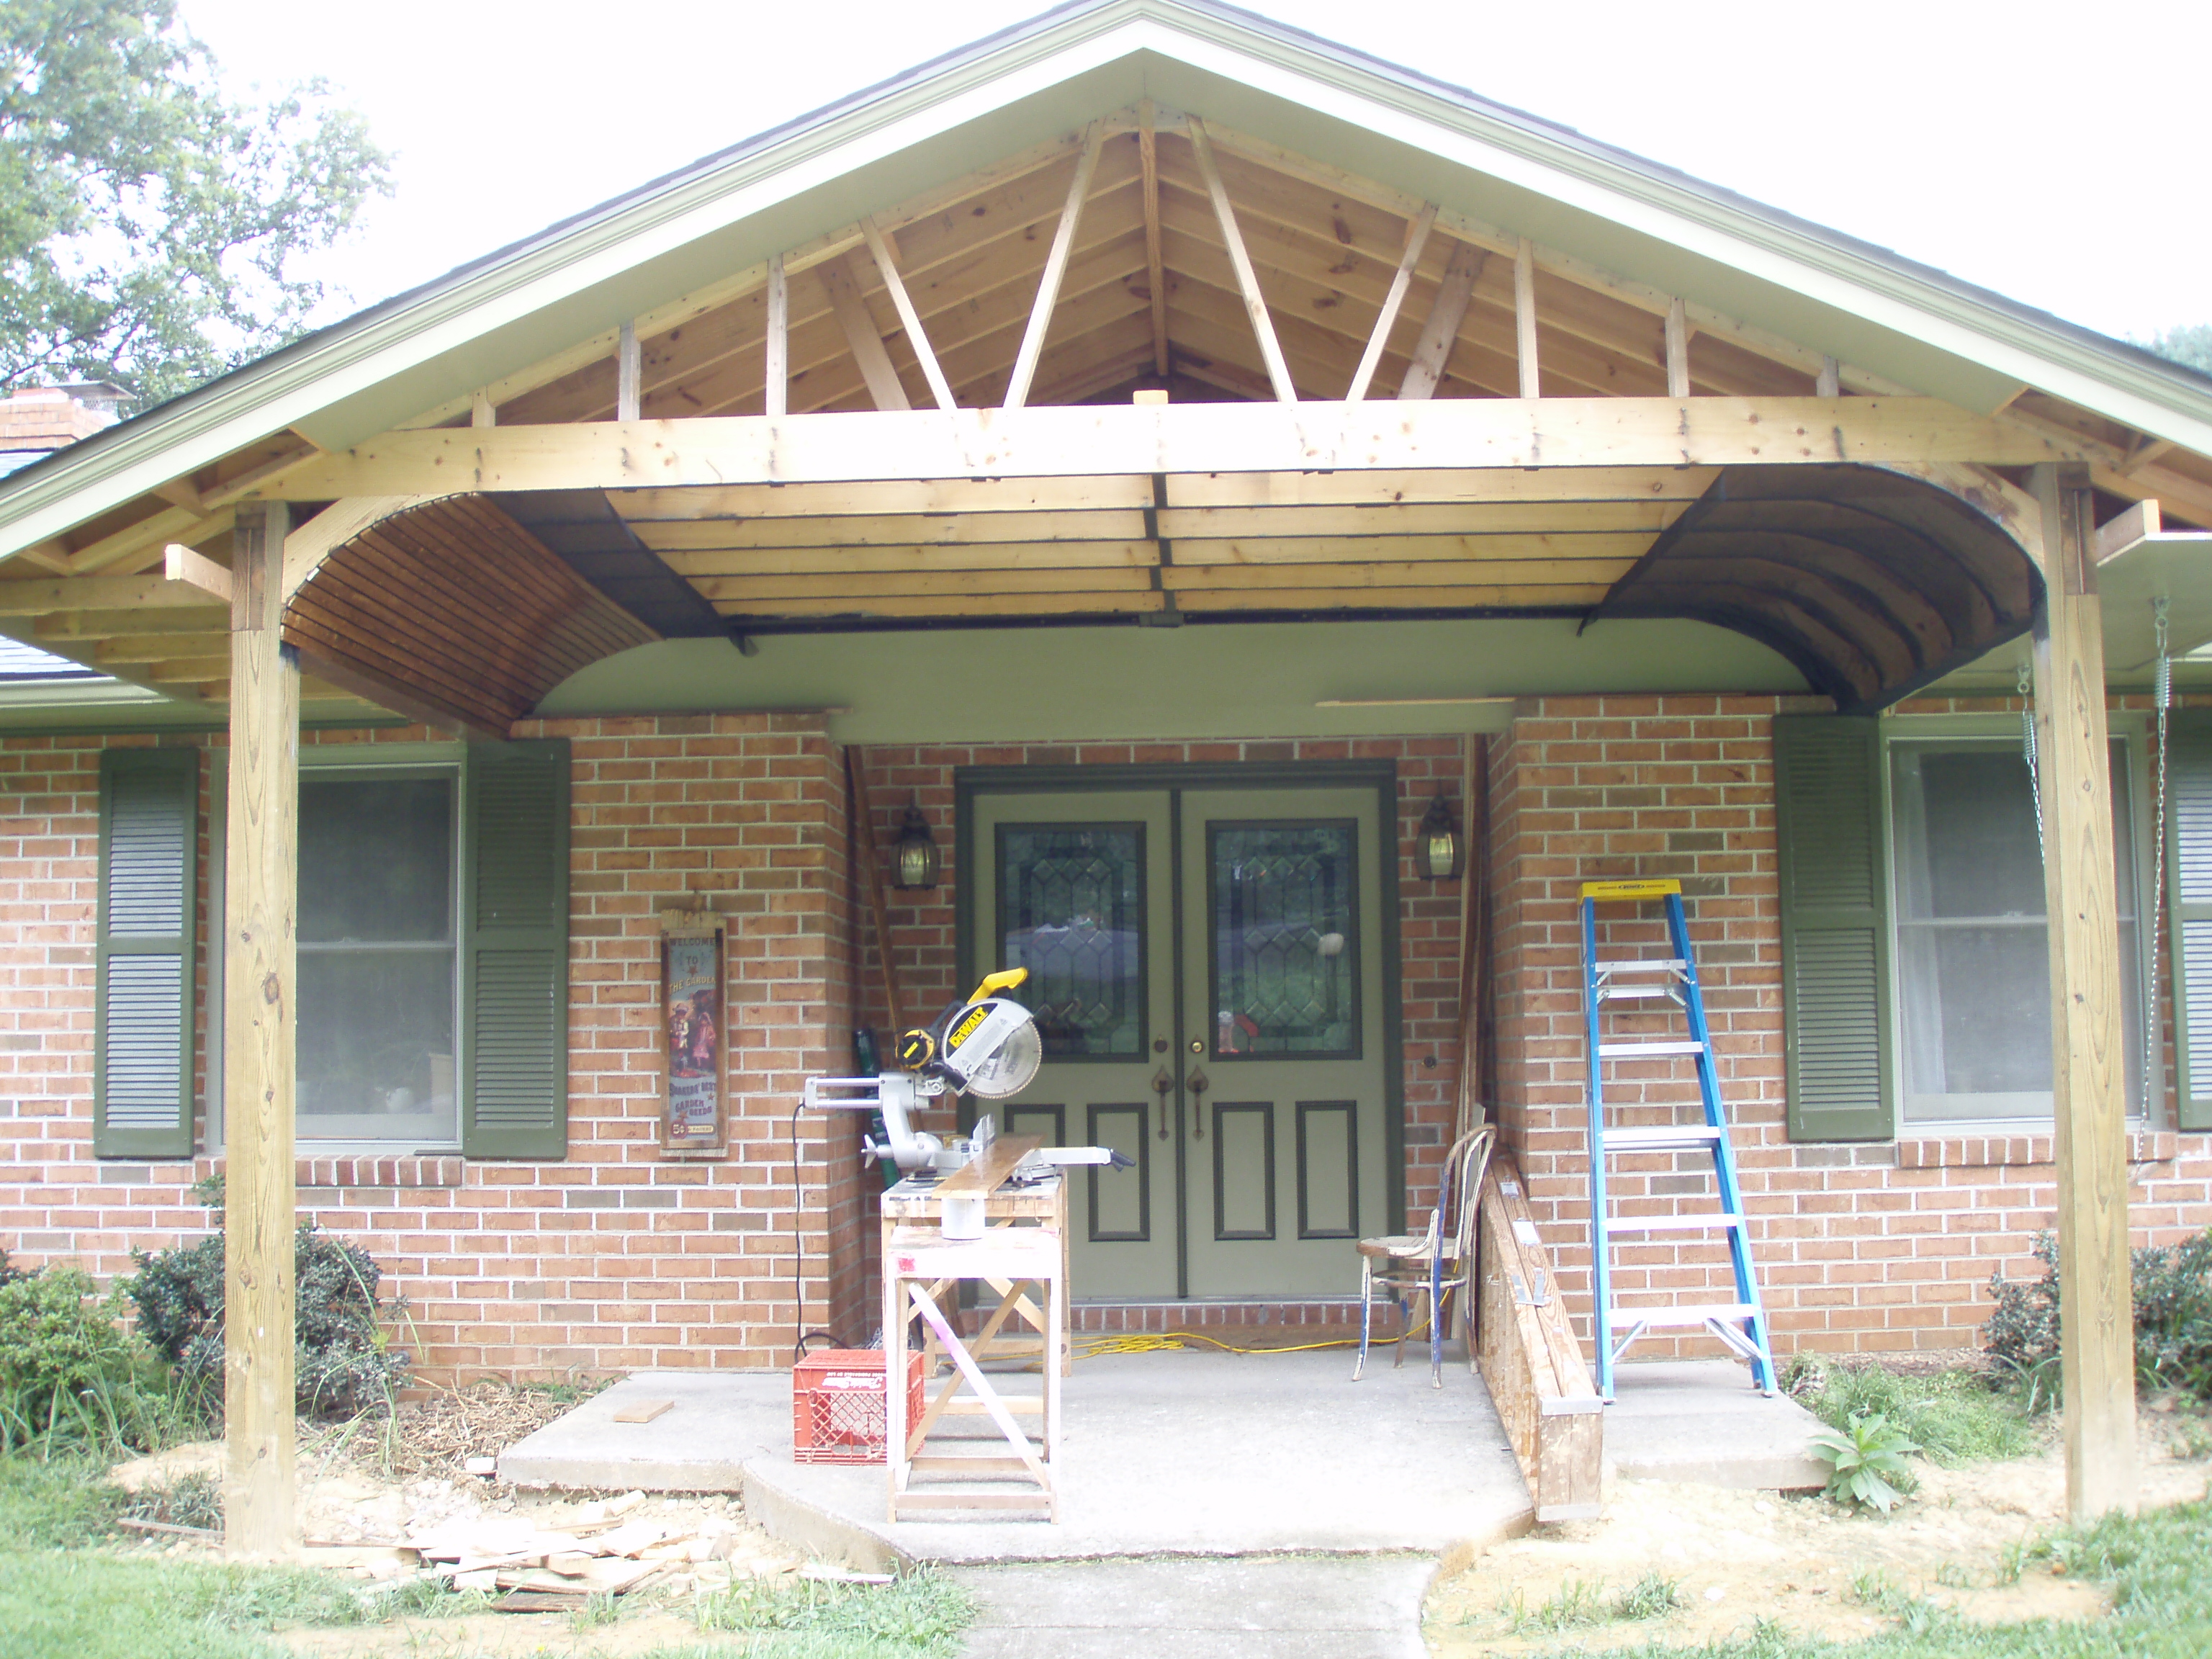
{"x":1184,"y":1453}
{"x":1701,"y":1420}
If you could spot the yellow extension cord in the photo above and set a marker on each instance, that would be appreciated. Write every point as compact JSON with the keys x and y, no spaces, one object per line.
{"x":1165,"y":1341}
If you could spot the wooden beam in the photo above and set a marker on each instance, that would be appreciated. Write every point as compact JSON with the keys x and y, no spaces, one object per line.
{"x":1248,"y":279}
{"x":34,"y":598}
{"x":2145,"y":450}
{"x":171,"y":524}
{"x":867,"y":345}
{"x":261,"y":895}
{"x":1417,"y":238}
{"x":1678,"y":350}
{"x":481,"y":411}
{"x":1829,"y":382}
{"x":2089,"y":1103}
{"x":1055,"y":267}
{"x":630,"y":372}
{"x":1156,"y":276}
{"x":879,"y":249}
{"x":777,"y":350}
{"x":181,"y":563}
{"x":2139,"y":522}
{"x":1446,"y":312}
{"x":1524,"y":316}
{"x":1103,"y":439}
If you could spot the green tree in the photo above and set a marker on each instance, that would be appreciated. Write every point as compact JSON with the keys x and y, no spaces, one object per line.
{"x":150,"y":225}
{"x":2190,"y":344}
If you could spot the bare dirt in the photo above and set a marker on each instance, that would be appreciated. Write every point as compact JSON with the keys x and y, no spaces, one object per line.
{"x":1804,"y":1562}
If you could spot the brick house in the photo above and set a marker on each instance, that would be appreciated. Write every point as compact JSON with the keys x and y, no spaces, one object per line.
{"x":1000,"y":457}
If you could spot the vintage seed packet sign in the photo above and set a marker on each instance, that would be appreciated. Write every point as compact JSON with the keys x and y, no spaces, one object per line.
{"x":693,"y":1018}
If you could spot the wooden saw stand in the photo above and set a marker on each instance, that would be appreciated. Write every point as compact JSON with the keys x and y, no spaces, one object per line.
{"x":923,"y":1271}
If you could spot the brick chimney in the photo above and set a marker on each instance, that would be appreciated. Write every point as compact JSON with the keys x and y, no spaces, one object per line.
{"x":35,"y":421}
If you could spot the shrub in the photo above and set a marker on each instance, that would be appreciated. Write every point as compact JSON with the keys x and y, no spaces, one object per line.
{"x":1956,"y":1416}
{"x":343,"y":1362}
{"x":2173,"y":1319}
{"x":9,"y":1275}
{"x":68,"y":1376}
{"x":1866,"y":1463}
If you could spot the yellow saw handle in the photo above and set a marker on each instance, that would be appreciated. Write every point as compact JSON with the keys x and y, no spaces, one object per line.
{"x":1004,"y":980}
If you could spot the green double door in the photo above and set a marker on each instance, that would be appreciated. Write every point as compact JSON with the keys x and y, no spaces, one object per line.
{"x":1207,"y":968}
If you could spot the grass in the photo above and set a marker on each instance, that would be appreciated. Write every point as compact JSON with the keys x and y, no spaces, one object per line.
{"x":2152,"y":1566}
{"x":920,"y":1616}
{"x":1954,"y":1416}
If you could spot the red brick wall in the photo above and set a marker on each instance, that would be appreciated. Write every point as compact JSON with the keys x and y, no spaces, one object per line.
{"x":1872,"y":1246}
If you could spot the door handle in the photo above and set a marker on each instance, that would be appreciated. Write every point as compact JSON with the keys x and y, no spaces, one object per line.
{"x":1198,"y":1087}
{"x":1163,"y":1085}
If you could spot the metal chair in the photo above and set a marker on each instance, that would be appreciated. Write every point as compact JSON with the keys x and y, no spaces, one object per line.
{"x":1429,"y":1265}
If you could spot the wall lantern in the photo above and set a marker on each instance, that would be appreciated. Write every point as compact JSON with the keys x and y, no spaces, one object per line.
{"x":917,"y":851}
{"x":1441,"y":848}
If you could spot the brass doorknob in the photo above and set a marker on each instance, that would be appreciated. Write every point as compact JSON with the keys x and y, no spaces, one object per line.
{"x":1198,"y":1087}
{"x":1198,"y":1045}
{"x":1163,"y":1086}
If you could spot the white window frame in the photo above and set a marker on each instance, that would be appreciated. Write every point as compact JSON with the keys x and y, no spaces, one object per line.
{"x":324,"y":760}
{"x":2132,"y":730}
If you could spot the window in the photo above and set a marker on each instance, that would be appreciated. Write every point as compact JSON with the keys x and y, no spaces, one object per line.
{"x":378,"y":956}
{"x":1972,"y":974}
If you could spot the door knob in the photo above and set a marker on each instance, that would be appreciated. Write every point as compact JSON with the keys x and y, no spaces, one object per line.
{"x":1198,"y":1045}
{"x":1198,"y":1087}
{"x":1163,"y":1086}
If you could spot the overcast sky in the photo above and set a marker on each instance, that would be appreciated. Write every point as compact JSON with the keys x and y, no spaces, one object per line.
{"x":2005,"y":142}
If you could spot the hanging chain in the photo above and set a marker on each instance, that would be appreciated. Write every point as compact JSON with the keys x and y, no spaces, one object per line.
{"x":2162,"y":700}
{"x":2023,"y":686}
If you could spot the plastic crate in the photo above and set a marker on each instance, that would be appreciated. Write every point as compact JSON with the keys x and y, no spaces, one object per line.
{"x":837,"y":1405}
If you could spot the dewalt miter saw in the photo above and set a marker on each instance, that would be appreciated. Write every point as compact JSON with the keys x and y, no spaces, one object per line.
{"x":986,"y":1046}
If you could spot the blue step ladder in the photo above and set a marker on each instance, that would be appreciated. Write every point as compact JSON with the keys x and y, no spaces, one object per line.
{"x":1652,"y":985}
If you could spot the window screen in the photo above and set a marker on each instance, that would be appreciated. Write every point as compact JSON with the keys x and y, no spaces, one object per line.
{"x":377,"y":957}
{"x":1973,"y":942}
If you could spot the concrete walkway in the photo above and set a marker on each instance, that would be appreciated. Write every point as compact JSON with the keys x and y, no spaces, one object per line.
{"x":1255,"y":1607}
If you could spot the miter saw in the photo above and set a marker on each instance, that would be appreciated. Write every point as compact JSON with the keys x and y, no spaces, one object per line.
{"x":986,"y":1046}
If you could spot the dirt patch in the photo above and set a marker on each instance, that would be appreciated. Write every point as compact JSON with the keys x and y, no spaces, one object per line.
{"x":1735,"y":1557}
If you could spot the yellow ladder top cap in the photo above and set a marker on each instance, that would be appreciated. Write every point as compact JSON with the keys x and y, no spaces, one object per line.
{"x":1648,"y":887}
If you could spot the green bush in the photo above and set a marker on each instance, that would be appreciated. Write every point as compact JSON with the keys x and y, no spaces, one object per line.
{"x":68,"y":1376}
{"x":343,"y":1362}
{"x":9,"y":1275}
{"x":1956,"y":1416}
{"x":2173,"y":1319}
{"x":1866,"y":1463}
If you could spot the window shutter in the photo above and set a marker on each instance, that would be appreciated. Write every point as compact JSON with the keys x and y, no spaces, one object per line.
{"x":514,"y":951}
{"x":2189,"y":909}
{"x":1835,"y":927}
{"x":141,"y":1039}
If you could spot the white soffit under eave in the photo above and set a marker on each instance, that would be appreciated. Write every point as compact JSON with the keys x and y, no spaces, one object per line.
{"x":438,"y":344}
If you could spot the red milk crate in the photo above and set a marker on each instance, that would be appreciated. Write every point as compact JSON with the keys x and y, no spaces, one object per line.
{"x":837,"y":1405}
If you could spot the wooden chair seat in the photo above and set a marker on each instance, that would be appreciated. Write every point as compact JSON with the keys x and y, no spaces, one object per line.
{"x":1428,"y":1267}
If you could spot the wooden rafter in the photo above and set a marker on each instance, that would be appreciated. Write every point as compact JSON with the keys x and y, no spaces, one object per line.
{"x":867,"y":344}
{"x":1446,"y":312}
{"x":1525,"y":316}
{"x":1055,"y":267}
{"x":879,"y":249}
{"x":1417,"y":238}
{"x":1247,"y":281}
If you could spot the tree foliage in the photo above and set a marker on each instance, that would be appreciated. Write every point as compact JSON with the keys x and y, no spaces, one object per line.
{"x":2190,"y":344}
{"x":150,"y":225}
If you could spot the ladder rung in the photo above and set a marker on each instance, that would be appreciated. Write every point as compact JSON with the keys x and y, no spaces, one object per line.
{"x":1608,"y":992}
{"x":1662,"y":1138}
{"x":1646,"y":965}
{"x":1670,"y":1224}
{"x":1630,"y":1050}
{"x":1695,"y":1313}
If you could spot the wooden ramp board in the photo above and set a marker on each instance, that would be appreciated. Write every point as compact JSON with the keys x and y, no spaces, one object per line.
{"x":1528,"y":1356}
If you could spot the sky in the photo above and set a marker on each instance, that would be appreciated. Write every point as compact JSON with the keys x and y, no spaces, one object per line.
{"x":2025,"y":146}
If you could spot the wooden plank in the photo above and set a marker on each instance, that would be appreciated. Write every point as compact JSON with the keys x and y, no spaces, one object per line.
{"x":305,"y":548}
{"x":148,"y":536}
{"x":644,"y":1411}
{"x":1562,"y":550}
{"x":125,"y":648}
{"x":481,"y":411}
{"x":259,"y":1049}
{"x":867,"y":345}
{"x":1055,"y":267}
{"x":873,"y":585}
{"x":1524,"y":316}
{"x":1248,"y":279}
{"x":181,"y":563}
{"x":1155,"y":277}
{"x":887,"y":496}
{"x":1122,"y":439}
{"x":1179,"y":523}
{"x":629,"y":374}
{"x":1828,"y":382}
{"x":777,"y":350}
{"x":1678,"y":350}
{"x":1439,"y":486}
{"x":2089,"y":1089}
{"x":1552,"y":596}
{"x":1181,"y":578}
{"x":892,"y":529}
{"x":956,"y":605}
{"x":1417,"y":238}
{"x":902,"y":302}
{"x":973,"y":556}
{"x":1447,"y":311}
{"x":2139,"y":523}
{"x":99,"y":593}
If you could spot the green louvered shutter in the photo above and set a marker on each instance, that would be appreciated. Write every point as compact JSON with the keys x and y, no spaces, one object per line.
{"x":1835,"y":927}
{"x":141,"y":1039}
{"x":2189,"y":909}
{"x":515,"y":952}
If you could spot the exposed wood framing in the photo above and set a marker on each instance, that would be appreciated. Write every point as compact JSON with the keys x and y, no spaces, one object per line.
{"x":1417,"y":239}
{"x":1055,"y":267}
{"x":481,"y":411}
{"x":776,"y":353}
{"x":1156,"y":280}
{"x":1248,"y":279}
{"x":880,"y":250}
{"x":1524,"y":316}
{"x":1829,"y":382}
{"x":1446,"y":312}
{"x":260,"y":1033}
{"x":2089,"y":1105}
{"x":867,"y":345}
{"x":629,"y":374}
{"x":1678,"y":350}
{"x":305,"y":548}
{"x":182,"y":565}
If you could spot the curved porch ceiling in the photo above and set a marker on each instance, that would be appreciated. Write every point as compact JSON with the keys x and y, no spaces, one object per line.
{"x":1362,"y":145}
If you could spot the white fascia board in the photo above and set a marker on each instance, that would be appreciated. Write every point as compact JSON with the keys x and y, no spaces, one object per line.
{"x":1704,"y":235}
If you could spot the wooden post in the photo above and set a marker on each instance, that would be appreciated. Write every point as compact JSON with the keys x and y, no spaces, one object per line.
{"x":260,"y":982}
{"x":776,"y":396}
{"x":629,"y":374}
{"x":2089,"y":1088}
{"x":1524,"y":316}
{"x":1678,"y":349}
